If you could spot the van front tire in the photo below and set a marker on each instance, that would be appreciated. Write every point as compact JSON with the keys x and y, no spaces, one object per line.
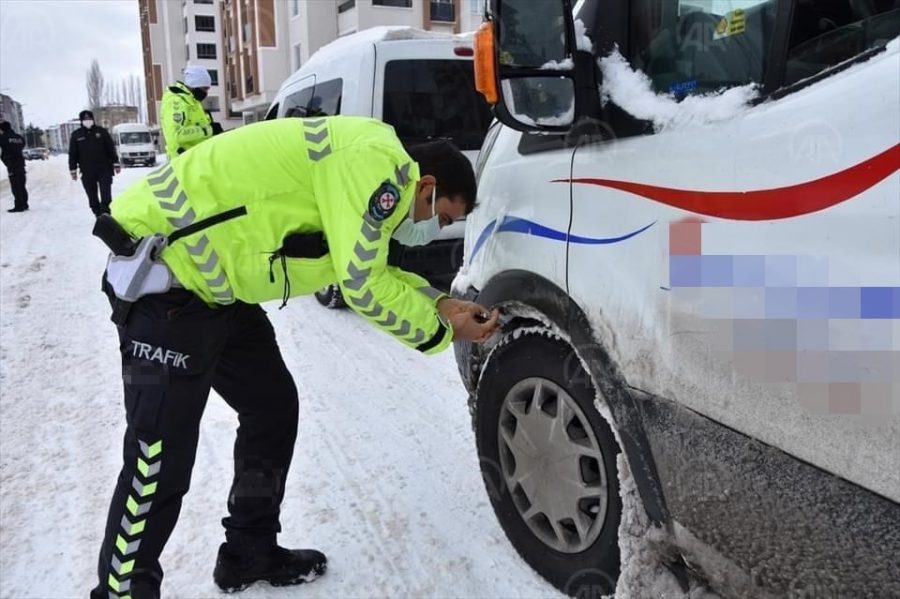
{"x":548,"y":458}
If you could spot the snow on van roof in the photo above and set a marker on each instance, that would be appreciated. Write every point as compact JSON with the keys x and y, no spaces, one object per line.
{"x":132,"y":126}
{"x":386,"y":34}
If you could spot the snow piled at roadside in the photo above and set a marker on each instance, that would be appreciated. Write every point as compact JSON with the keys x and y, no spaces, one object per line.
{"x":633,"y":92}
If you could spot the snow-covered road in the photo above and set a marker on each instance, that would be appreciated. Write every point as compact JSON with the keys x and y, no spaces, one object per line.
{"x":385,"y":478}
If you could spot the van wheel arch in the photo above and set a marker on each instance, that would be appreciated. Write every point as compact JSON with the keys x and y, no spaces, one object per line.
{"x":530,"y":299}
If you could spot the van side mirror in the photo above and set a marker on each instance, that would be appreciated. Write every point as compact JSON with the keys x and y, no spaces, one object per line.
{"x":524,"y":64}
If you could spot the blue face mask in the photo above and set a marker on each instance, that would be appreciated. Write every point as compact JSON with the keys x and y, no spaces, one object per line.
{"x":411,"y":233}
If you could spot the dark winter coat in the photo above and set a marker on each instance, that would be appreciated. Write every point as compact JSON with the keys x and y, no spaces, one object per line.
{"x":92,"y":150}
{"x":11,"y":146}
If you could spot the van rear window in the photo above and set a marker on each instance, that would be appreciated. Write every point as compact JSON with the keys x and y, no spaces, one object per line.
{"x":432,"y":99}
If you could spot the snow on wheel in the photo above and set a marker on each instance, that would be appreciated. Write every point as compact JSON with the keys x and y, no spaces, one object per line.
{"x":548,"y":459}
{"x":331,"y":297}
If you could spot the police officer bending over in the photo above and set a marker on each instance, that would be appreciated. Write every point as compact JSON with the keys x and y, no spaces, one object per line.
{"x":270,"y":211}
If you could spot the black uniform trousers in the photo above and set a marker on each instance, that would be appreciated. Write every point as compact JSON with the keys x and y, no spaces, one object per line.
{"x":174,"y":349}
{"x":17,"y":187}
{"x":94,"y":183}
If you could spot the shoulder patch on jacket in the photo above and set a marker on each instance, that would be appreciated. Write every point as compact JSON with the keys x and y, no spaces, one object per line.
{"x":384,"y":201}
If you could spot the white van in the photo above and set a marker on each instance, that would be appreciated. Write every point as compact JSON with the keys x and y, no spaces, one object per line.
{"x":708,"y":287}
{"x":421,"y":83}
{"x":134,"y":144}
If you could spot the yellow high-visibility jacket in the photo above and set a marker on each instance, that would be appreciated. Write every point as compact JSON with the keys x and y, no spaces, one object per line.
{"x":184,"y":121}
{"x":348,"y":177}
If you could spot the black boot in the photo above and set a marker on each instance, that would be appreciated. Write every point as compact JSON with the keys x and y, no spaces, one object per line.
{"x":276,"y":565}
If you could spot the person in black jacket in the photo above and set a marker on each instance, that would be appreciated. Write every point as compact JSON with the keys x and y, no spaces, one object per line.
{"x":91,"y":148}
{"x":11,"y":146}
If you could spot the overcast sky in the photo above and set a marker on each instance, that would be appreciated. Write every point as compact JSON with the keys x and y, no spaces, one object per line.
{"x":46,"y":47}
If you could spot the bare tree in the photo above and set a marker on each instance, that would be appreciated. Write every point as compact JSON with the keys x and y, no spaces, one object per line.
{"x":135,"y":87}
{"x":95,"y":88}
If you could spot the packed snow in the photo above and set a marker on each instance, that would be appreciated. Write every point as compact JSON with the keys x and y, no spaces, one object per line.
{"x":632,"y":91}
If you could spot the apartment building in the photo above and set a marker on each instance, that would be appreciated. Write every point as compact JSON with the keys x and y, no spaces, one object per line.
{"x":12,"y":112}
{"x":267,"y":40}
{"x":175,"y":33}
{"x":110,"y":116}
{"x":57,"y":137}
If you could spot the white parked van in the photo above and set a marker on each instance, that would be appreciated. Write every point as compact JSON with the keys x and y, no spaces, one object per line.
{"x":706,"y":287}
{"x":134,"y":144}
{"x":421,"y":83}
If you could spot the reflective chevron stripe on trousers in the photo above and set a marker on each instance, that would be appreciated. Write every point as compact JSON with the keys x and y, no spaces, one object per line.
{"x":174,"y":349}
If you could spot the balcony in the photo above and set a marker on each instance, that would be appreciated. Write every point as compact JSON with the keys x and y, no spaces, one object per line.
{"x":443,"y":11}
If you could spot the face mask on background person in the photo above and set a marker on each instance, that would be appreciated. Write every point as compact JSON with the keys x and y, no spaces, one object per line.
{"x":199,"y":93}
{"x":412,"y":233}
{"x":87,"y":123}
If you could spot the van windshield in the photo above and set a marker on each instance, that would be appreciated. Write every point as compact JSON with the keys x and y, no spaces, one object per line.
{"x":696,"y":46}
{"x":135,"y":137}
{"x":432,"y":99}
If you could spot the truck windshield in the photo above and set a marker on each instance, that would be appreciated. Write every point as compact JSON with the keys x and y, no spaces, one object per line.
{"x":696,"y":46}
{"x":135,"y":137}
{"x":432,"y":99}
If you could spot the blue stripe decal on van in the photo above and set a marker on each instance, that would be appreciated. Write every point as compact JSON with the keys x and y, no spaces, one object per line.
{"x":512,"y":224}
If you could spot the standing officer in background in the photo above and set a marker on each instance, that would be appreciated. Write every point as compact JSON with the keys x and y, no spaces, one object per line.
{"x":185,"y":123}
{"x":272,"y":210}
{"x":92,"y":149}
{"x":11,"y":146}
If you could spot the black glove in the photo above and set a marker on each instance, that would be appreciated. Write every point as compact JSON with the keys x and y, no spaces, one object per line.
{"x":216,"y":128}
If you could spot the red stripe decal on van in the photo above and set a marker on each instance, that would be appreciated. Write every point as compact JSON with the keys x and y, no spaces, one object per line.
{"x":768,"y":204}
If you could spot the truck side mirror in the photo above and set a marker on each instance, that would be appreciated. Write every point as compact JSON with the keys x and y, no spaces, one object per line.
{"x":524,"y":64}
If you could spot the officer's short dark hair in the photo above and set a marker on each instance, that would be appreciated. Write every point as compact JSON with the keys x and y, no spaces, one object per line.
{"x":452,"y":170}
{"x":85,"y":114}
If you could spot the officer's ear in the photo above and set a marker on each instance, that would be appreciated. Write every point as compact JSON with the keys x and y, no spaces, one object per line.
{"x":424,"y":188}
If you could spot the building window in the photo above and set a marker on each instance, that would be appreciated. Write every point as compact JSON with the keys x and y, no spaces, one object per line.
{"x":206,"y":50}
{"x":476,"y":7}
{"x":295,"y":8}
{"x":187,"y":52}
{"x":203,"y":1}
{"x":442,"y":10}
{"x":346,"y":5}
{"x":395,"y":3}
{"x":297,"y":58}
{"x":214,"y":76}
{"x":248,"y":84}
{"x":246,"y":33}
{"x":185,"y":25}
{"x":204,"y":23}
